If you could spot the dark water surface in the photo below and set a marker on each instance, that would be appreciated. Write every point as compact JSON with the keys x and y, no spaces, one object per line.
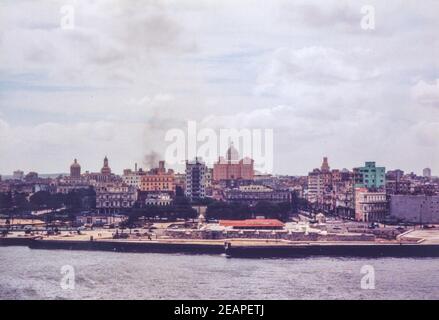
{"x":36,"y":274}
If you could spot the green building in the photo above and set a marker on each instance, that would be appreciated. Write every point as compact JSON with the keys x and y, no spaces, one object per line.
{"x":370,"y":176}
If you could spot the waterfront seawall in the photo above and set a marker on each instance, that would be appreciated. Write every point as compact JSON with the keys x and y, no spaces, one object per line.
{"x":194,"y":234}
{"x":129,"y":246}
{"x":237,"y":248}
{"x":335,"y":249}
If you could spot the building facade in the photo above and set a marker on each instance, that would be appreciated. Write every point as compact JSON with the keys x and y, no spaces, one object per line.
{"x":156,"y":199}
{"x":158,"y":179}
{"x":370,"y":206}
{"x":231,"y":168}
{"x":114,"y":198}
{"x":415,"y":208}
{"x":252,"y":194}
{"x":370,"y":176}
{"x":195,"y":184}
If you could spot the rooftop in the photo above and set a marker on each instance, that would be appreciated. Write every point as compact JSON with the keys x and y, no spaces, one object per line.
{"x":255,"y":223}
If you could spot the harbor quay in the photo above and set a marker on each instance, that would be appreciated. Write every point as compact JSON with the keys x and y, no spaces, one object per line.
{"x":291,"y":241}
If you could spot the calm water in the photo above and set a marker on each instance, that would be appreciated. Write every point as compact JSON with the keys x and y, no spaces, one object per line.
{"x":36,"y":274}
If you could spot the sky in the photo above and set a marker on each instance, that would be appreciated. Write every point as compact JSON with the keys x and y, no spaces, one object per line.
{"x":124,"y":73}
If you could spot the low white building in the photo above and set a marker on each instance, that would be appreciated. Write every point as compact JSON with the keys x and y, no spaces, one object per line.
{"x":158,"y":199}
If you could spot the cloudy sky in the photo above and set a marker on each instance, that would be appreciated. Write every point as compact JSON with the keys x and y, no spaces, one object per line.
{"x":128,"y":71}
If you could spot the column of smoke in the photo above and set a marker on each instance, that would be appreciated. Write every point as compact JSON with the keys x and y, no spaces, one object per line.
{"x":151,"y":159}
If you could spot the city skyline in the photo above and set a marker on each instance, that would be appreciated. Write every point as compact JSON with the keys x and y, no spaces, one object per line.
{"x":305,"y":69}
{"x":136,"y":166}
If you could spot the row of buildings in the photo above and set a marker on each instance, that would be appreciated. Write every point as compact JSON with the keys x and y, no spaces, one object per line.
{"x":365,"y":193}
{"x":369,"y":193}
{"x":231,"y":179}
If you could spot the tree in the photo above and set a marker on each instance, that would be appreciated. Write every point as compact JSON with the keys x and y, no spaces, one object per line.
{"x":6,"y":200}
{"x":73,"y":200}
{"x":40,"y":199}
{"x":20,"y":202}
{"x":228,"y":211}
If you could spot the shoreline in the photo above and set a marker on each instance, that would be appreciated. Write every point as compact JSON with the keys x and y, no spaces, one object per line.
{"x":248,"y":248}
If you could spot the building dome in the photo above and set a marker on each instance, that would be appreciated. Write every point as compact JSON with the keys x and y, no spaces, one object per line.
{"x":75,"y":164}
{"x":75,"y":169}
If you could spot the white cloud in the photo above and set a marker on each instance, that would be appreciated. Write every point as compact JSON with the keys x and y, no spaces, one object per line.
{"x":128,"y":72}
{"x":426,"y":93}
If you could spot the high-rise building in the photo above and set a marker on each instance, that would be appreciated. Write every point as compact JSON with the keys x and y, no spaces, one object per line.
{"x":426,"y":173}
{"x":195,"y":186}
{"x":75,"y":170}
{"x":316,"y":186}
{"x":370,"y":176}
{"x":319,"y":181}
{"x":231,"y":168}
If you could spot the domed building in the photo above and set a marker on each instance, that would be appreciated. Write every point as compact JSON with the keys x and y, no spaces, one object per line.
{"x":232,"y":154}
{"x":231,"y":168}
{"x":75,"y":170}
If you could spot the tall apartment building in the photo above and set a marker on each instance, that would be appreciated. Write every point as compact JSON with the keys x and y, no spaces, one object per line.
{"x":231,"y":168}
{"x":370,"y":206}
{"x":319,"y":180}
{"x":370,"y":176}
{"x":316,"y":186}
{"x":195,"y":186}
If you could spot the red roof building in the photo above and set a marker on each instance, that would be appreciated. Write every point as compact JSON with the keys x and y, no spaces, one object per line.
{"x":252,"y":224}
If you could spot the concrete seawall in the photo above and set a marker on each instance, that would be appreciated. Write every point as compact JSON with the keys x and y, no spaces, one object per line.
{"x":237,"y":247}
{"x":266,"y":234}
{"x":334,"y":249}
{"x":129,"y":246}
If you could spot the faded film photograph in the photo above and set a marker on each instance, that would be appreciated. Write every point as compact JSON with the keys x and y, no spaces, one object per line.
{"x":219,"y":155}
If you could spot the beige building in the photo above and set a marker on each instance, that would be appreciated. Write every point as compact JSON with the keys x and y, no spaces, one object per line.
{"x":112,"y":198}
{"x":370,"y":206}
{"x":158,"y":179}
